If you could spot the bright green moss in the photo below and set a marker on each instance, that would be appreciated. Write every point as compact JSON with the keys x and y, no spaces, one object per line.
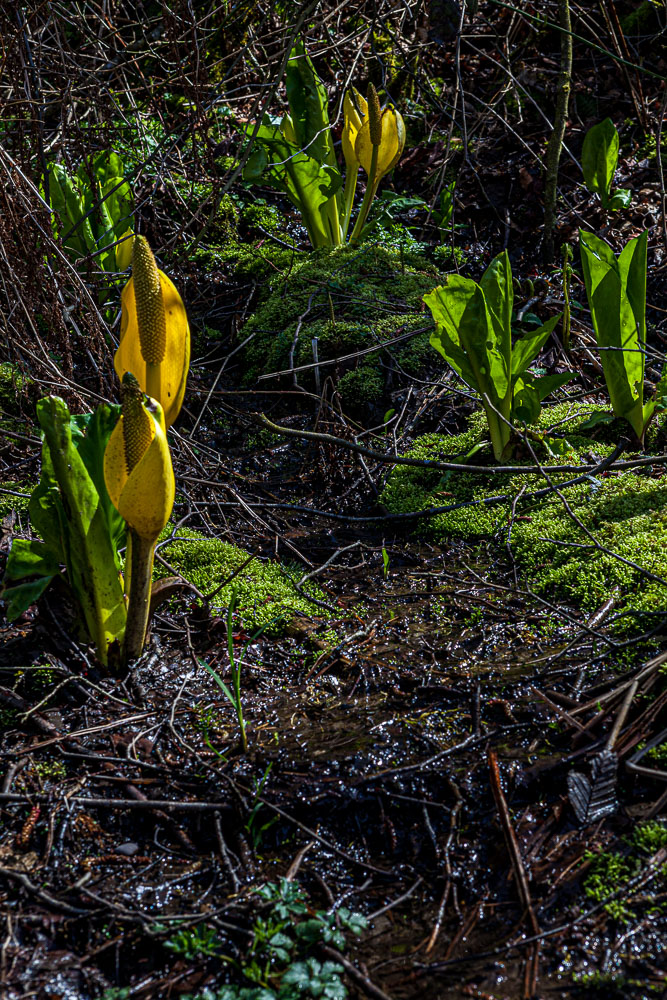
{"x":626,"y":513}
{"x":14,"y":496}
{"x":650,"y":836}
{"x":608,"y":874}
{"x":266,"y":594}
{"x":363,"y":385}
{"x":349,"y":298}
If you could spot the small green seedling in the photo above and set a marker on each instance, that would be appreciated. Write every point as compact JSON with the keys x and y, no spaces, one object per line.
{"x":233,"y":694}
{"x":474,"y":335}
{"x":599,"y":157}
{"x":385,"y":562}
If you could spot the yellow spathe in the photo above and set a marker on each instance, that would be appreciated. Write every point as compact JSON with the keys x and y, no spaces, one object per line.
{"x":174,"y":367}
{"x":145,"y":496}
{"x":124,"y":251}
{"x":355,"y":111}
{"x":390,"y":148}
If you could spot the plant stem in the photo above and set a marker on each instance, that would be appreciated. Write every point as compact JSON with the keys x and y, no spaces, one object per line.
{"x":316,"y":234}
{"x":138,"y":583}
{"x":556,"y":139}
{"x":567,"y":274}
{"x":351,"y":176}
{"x":371,"y":188}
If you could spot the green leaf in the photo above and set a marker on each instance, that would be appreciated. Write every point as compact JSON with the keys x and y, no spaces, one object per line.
{"x":460,"y":302}
{"x":616,"y":290}
{"x":476,"y":344}
{"x":546,"y":384}
{"x":67,"y":202}
{"x":621,"y":198}
{"x":27,"y":558}
{"x":496,"y":283}
{"x":599,"y":417}
{"x":256,"y":165}
{"x":599,"y":156}
{"x":309,"y":186}
{"x":529,"y":346}
{"x":90,"y":556}
{"x":90,"y":436}
{"x":526,"y":404}
{"x":308,"y":102}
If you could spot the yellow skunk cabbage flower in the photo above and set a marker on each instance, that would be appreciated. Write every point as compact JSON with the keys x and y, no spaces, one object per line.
{"x":390,"y":147}
{"x":377,"y":147}
{"x":124,"y":251}
{"x":137,"y":464}
{"x":355,"y":110}
{"x":154,"y":332}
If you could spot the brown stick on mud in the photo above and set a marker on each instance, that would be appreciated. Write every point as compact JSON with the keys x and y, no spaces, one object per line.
{"x":532,"y":964}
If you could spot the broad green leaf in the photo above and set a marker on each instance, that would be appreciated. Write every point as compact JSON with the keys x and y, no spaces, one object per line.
{"x":307,"y":98}
{"x":308,"y":185}
{"x":546,"y":384}
{"x":118,"y":198}
{"x":632,"y":271}
{"x":107,"y":164}
{"x":90,"y":557}
{"x":526,"y":403}
{"x":529,"y":346}
{"x":27,"y":558}
{"x":599,"y":156}
{"x":47,"y":514}
{"x":616,"y":290}
{"x":20,"y":596}
{"x":255,"y":165}
{"x":496,"y":283}
{"x":449,"y":304}
{"x":467,"y":337}
{"x":67,"y":203}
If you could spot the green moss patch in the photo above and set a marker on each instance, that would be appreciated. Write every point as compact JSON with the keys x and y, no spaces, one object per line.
{"x":350,"y":299}
{"x":625,"y":512}
{"x":14,"y":496}
{"x":266,"y":592}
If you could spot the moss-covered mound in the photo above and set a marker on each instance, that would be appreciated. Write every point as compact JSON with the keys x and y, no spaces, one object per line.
{"x":266,"y":592}
{"x":626,"y":512}
{"x":350,"y":299}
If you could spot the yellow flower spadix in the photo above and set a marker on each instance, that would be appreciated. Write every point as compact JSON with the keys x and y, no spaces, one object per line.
{"x":137,"y":464}
{"x":391,"y":144}
{"x":154,"y":332}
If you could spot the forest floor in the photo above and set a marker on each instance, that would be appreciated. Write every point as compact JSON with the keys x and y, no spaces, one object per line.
{"x":454,"y":779}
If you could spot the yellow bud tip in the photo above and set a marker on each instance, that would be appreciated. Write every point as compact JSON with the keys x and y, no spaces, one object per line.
{"x":374,"y":115}
{"x":151,"y":320}
{"x":137,"y":432}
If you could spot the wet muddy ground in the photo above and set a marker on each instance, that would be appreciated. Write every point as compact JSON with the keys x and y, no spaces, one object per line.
{"x":408,"y":761}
